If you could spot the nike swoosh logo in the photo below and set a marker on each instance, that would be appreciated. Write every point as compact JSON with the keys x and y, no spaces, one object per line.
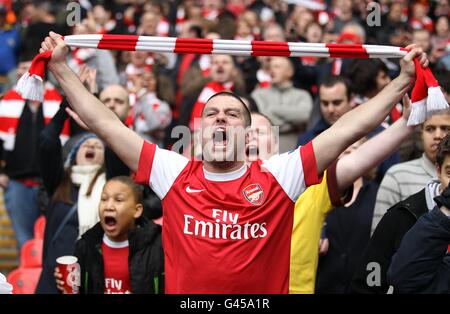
{"x":189,"y":190}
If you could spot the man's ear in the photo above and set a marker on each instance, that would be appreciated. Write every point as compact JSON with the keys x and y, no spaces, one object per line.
{"x":438,"y":169}
{"x":351,"y":100}
{"x":247,"y":135}
{"x":139,"y":210}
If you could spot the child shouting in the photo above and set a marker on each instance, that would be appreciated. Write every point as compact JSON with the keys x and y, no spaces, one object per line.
{"x":123,"y":252}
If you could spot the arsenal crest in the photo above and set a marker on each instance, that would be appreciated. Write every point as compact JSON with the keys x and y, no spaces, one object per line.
{"x":254,"y":194}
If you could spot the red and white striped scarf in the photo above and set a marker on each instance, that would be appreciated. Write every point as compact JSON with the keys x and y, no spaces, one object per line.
{"x":210,"y":89}
{"x":264,"y":78}
{"x":11,"y":108}
{"x":426,"y":95}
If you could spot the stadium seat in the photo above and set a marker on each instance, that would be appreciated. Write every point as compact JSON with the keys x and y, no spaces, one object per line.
{"x":24,"y":280}
{"x":39,"y":227}
{"x":31,"y":253}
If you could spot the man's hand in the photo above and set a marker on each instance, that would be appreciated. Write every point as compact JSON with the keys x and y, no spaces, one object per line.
{"x":443,"y":201}
{"x":55,"y":43}
{"x":4,"y":180}
{"x":59,"y":282}
{"x":406,"y":107}
{"x":408,"y":69}
{"x":77,"y":119}
{"x":324,"y":245}
{"x":88,"y":77}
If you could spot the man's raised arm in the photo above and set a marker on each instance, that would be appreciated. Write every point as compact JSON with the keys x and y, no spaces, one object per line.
{"x":100,"y":120}
{"x":374,"y":151}
{"x":360,"y":121}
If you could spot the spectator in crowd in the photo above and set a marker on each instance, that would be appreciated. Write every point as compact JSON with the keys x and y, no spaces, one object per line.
{"x":419,"y":18}
{"x":99,"y":59}
{"x":116,"y":98}
{"x":140,"y":61}
{"x":151,"y":115}
{"x":169,"y":170}
{"x":288,"y":107}
{"x":74,"y":191}
{"x":368,"y":77}
{"x":313,"y":206}
{"x":149,"y":24}
{"x":344,"y":15}
{"x":442,"y":32}
{"x":42,"y":20}
{"x":123,"y":252}
{"x":405,"y":179}
{"x":147,"y":110}
{"x":394,"y":30}
{"x":335,"y":100}
{"x":20,"y":124}
{"x":421,"y":262}
{"x":256,"y":71}
{"x":223,"y":76}
{"x":73,"y":187}
{"x":395,"y":224}
{"x":103,"y":18}
{"x":9,"y":49}
{"x":341,"y":254}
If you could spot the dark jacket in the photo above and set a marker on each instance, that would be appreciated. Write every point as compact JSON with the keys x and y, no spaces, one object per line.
{"x":22,"y":161}
{"x":348,"y":230}
{"x":385,"y":242}
{"x":145,"y":260}
{"x":310,"y":134}
{"x":422,"y":263}
{"x":51,"y":166}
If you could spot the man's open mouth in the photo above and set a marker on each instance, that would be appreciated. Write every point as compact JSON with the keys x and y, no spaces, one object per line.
{"x":219,"y":137}
{"x":252,"y":151}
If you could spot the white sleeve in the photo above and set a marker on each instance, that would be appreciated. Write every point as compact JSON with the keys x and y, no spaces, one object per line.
{"x":159,"y":168}
{"x":294,"y":170}
{"x":5,"y":287}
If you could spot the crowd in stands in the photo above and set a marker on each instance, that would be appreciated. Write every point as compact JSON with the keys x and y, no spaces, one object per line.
{"x":384,"y":200}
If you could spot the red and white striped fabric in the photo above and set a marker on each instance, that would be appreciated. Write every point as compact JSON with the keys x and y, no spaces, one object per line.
{"x":29,"y":84}
{"x":163,"y":27}
{"x":231,"y":47}
{"x":264,"y":78}
{"x":11,"y":108}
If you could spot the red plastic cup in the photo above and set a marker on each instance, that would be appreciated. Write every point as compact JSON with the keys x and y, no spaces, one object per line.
{"x":70,"y":270}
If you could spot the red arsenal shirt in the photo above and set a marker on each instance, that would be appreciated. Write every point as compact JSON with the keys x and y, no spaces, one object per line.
{"x":115,"y":261}
{"x":227,"y":233}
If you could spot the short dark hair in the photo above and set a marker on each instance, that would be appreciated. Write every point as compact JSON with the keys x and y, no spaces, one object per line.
{"x":363,"y":75}
{"x":333,"y":80}
{"x":443,"y":150}
{"x":264,"y":116}
{"x":247,"y":115}
{"x":135,"y":188}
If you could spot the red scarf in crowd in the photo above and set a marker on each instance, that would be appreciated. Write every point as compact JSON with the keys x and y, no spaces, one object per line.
{"x":11,"y":108}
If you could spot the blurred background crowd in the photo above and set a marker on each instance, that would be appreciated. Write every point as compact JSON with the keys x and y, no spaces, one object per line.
{"x":154,"y":92}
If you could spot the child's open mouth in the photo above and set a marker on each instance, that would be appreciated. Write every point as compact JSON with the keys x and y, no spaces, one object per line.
{"x":110,"y":223}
